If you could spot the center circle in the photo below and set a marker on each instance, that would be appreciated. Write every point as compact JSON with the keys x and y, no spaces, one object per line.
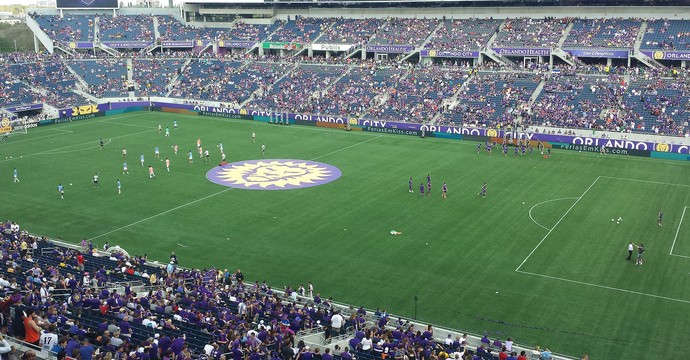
{"x":273,"y":174}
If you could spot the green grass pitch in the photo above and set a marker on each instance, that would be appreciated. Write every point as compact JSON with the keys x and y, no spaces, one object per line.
{"x":538,"y":259}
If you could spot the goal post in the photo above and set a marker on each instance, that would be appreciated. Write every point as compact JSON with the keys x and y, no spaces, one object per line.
{"x":10,"y":126}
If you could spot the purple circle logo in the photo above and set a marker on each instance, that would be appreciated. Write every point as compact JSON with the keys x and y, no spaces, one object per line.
{"x":273,"y":174}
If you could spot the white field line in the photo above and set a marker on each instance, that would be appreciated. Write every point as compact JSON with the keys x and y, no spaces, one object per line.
{"x":544,"y":202}
{"x":678,"y":231}
{"x":558,"y":222}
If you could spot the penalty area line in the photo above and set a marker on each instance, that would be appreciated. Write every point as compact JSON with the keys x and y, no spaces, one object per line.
{"x":605,"y":287}
{"x":677,"y":232}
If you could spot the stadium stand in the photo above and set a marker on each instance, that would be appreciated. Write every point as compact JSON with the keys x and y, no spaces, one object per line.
{"x":301,"y":30}
{"x":106,"y":77}
{"x":464,"y":34}
{"x":126,"y":28}
{"x":664,"y":34}
{"x":603,"y":33}
{"x":67,"y":28}
{"x":529,"y":32}
{"x":399,"y":31}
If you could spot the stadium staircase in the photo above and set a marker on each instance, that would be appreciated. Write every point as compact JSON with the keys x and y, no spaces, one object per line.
{"x":637,"y":54}
{"x":171,"y":85}
{"x":498,"y":58}
{"x":39,"y":34}
{"x":426,"y":41}
{"x":537,"y":92}
{"x":563,"y":55}
{"x":251,"y":97}
{"x":319,"y":94}
{"x":83,"y":84}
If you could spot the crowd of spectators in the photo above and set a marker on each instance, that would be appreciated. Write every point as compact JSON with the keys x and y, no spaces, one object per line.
{"x":153,"y":76}
{"x":68,"y":27}
{"x":125,"y":28}
{"x":105,"y":77}
{"x":530,"y":32}
{"x":301,"y":30}
{"x":295,"y":90}
{"x":665,"y":34}
{"x":463,"y":34}
{"x":399,"y":31}
{"x":351,"y":31}
{"x":418,"y":97}
{"x":603,"y":33}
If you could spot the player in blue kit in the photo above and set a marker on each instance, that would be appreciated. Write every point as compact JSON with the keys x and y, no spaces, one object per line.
{"x":428,"y":178}
{"x":175,"y":124}
{"x":483,"y":191}
{"x":517,"y":148}
{"x":523,"y":149}
{"x":15,"y":175}
{"x":488,"y":149}
{"x":479,"y":148}
{"x":428,"y":188}
{"x":119,"y":187}
{"x":421,"y":190}
{"x":61,"y":191}
{"x":124,"y":168}
{"x":191,"y":157}
{"x":141,"y":159}
{"x":444,"y":188}
{"x":505,"y":149}
{"x":409,"y":184}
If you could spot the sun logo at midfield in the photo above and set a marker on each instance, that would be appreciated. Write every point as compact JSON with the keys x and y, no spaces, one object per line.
{"x":273,"y":174}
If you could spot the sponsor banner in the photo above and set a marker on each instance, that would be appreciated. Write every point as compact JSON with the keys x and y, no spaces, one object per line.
{"x":227,"y":115}
{"x":82,"y":110}
{"x":599,"y":53}
{"x":236,"y":44}
{"x":449,"y":53}
{"x":5,"y":125}
{"x":331,"y":47}
{"x":597,"y":149}
{"x":523,"y":51}
{"x":177,"y":43}
{"x":668,"y":55}
{"x":24,"y":108}
{"x":392,"y":131}
{"x":400,"y":49}
{"x":126,"y":44}
{"x":202,"y":43}
{"x":281,"y":45}
{"x":69,"y":119}
{"x":79,"y":44}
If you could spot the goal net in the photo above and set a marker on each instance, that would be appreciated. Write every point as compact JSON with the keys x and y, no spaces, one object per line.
{"x":12,"y":126}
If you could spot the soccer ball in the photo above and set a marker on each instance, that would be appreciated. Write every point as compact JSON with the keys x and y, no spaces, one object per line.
{"x":70,"y":184}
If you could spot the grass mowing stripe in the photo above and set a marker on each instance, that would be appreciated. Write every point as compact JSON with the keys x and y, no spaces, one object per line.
{"x":558,"y":222}
{"x":216,"y":193}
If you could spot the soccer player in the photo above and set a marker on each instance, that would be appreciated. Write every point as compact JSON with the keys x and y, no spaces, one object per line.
{"x":119,"y":187}
{"x":483,"y":191}
{"x":640,"y":251}
{"x":124,"y":168}
{"x":167,"y":164}
{"x":191,"y":157}
{"x":102,"y":144}
{"x":175,"y":124}
{"x":602,"y":150}
{"x":206,"y":155}
{"x":505,"y":149}
{"x":141,"y":159}
{"x":198,"y":142}
{"x":523,"y":150}
{"x":222,"y":157}
{"x":95,"y":180}
{"x":167,"y":131}
{"x":421,"y":190}
{"x":160,"y":128}
{"x":409,"y":184}
{"x":151,"y":173}
{"x":530,"y":149}
{"x":444,"y":188}
{"x":428,"y":188}
{"x":253,"y":137}
{"x":548,"y":153}
{"x":660,"y":219}
{"x":175,"y":149}
{"x":488,"y":149}
{"x":156,"y":152}
{"x":15,"y":175}
{"x":201,"y":152}
{"x":263,"y":149}
{"x":220,"y":146}
{"x":124,"y":152}
{"x":428,"y":178}
{"x":61,"y":191}
{"x":516,"y":150}
{"x":479,"y":148}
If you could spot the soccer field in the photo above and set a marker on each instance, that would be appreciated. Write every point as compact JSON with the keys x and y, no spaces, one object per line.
{"x":539,"y":259}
